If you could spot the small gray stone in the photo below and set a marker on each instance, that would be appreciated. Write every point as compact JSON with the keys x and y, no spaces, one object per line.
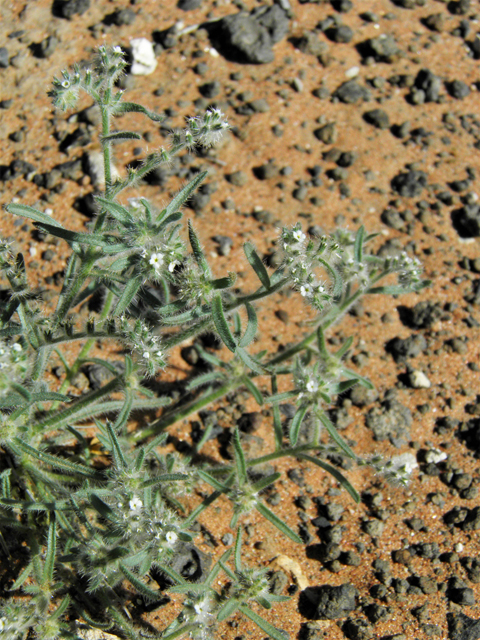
{"x":378,"y":118}
{"x":327,"y":134}
{"x":335,"y":602}
{"x":3,"y":57}
{"x":351,"y":92}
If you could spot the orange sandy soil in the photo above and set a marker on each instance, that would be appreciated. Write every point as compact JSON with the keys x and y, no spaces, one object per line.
{"x":454,"y":385}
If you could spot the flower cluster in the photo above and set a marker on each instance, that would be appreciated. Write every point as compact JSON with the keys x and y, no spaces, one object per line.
{"x":206,"y":129}
{"x":312,"y":383}
{"x":13,"y":365}
{"x":193,"y":286}
{"x":300,"y":260}
{"x":138,"y":337}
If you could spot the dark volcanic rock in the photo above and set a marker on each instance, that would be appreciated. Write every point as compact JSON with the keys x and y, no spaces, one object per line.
{"x":70,"y":8}
{"x":392,"y":420}
{"x":403,"y":348}
{"x":461,"y":627}
{"x":245,"y":37}
{"x":466,"y":220}
{"x":351,"y":92}
{"x":410,"y":184}
{"x":333,"y":602}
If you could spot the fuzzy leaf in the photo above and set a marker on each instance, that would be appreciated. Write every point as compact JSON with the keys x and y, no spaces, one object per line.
{"x":257,"y":264}
{"x":267,"y":481}
{"x":221,"y":324}
{"x":358,"y":246}
{"x":241,"y":464}
{"x":364,"y":382}
{"x":296,"y":424}
{"x":197,"y":250}
{"x":227,"y":610}
{"x":251,"y":362}
{"x":108,"y":244}
{"x":183,"y":195}
{"x":127,"y":296}
{"x":117,"y":211}
{"x":116,"y":449}
{"x":133,"y":107}
{"x":277,"y":522}
{"x":334,"y":472}
{"x":205,"y":378}
{"x":336,"y":277}
{"x":120,"y":136}
{"x":54,"y":461}
{"x":252,"y":325}
{"x":224,"y":283}
{"x":265,"y":626}
{"x":34,"y":214}
{"x":254,"y":390}
{"x":333,"y":433}
{"x":139,"y":585}
{"x":49,"y":564}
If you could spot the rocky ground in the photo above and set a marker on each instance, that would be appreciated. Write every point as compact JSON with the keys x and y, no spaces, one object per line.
{"x":343,"y":112}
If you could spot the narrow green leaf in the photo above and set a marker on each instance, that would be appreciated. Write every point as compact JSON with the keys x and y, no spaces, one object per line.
{"x":127,"y":296}
{"x":340,"y":387}
{"x":263,"y":602}
{"x":227,"y":610}
{"x":297,"y":423}
{"x":265,"y":626}
{"x":34,"y":214}
{"x":117,"y":211}
{"x":49,"y":564}
{"x":197,"y":250}
{"x":334,"y":472}
{"x":165,"y":477}
{"x":139,"y":585}
{"x":22,"y":577}
{"x":335,"y":276}
{"x":221,"y":324}
{"x":322,"y":345}
{"x":120,"y":136}
{"x":54,"y":461}
{"x":173,"y":217}
{"x":182,"y":196}
{"x":277,"y":423}
{"x":117,"y":452}
{"x":213,"y":482}
{"x":205,"y":378}
{"x":6,"y":487}
{"x":180,"y":631}
{"x":241,"y":464}
{"x":267,"y":481}
{"x":275,"y":520}
{"x":257,"y":264}
{"x":364,"y":382}
{"x":209,"y":357}
{"x":102,"y":507}
{"x":251,"y":362}
{"x":60,"y":610}
{"x":254,"y":390}
{"x":252,"y":325}
{"x":333,"y":433}
{"x":344,"y":348}
{"x":224,"y":283}
{"x":125,"y":411}
{"x":278,"y":398}
{"x":238,"y":550}
{"x":133,"y":107}
{"x":358,"y":246}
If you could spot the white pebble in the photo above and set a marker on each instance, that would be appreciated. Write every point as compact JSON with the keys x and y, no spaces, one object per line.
{"x":144,"y":62}
{"x":419,"y":380}
{"x":352,"y":72}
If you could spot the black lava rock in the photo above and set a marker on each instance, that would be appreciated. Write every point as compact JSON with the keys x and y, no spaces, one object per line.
{"x":4,"y":57}
{"x":351,"y":92}
{"x":335,"y":602}
{"x":121,"y":17}
{"x":392,"y":421}
{"x":70,"y":8}
{"x":458,"y":89}
{"x":341,"y":33}
{"x":189,"y":5}
{"x":378,"y":118}
{"x":461,"y":627}
{"x":409,"y":184}
{"x":46,"y":48}
{"x":426,"y":87}
{"x":403,"y":348}
{"x":244,"y":37}
{"x":466,"y":220}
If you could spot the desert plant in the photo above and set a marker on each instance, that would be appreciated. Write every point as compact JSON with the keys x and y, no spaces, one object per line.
{"x":89,"y":529}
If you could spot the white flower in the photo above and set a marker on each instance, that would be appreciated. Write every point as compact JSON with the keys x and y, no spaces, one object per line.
{"x":311,"y":386}
{"x":146,"y":355}
{"x":171,"y":537}
{"x":172,"y":265}
{"x":117,"y":49}
{"x":2,"y":624}
{"x":403,"y":464}
{"x":298,"y":235}
{"x":306,"y":290}
{"x":16,"y":347}
{"x":156,"y":260}
{"x":135,"y":504}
